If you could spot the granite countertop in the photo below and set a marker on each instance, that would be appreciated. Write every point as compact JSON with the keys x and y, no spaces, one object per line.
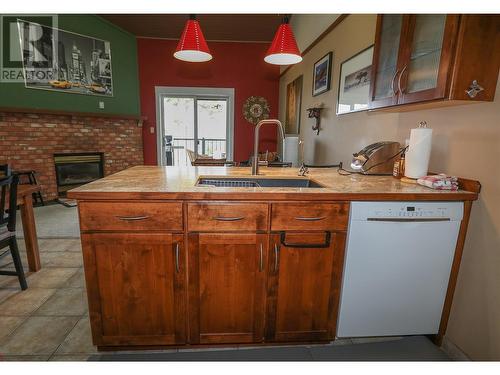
{"x":152,"y":182}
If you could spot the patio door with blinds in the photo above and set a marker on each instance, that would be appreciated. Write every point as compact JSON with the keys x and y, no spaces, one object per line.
{"x":196,"y":121}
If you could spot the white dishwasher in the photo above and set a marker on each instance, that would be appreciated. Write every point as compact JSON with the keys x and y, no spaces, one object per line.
{"x":397,"y":266}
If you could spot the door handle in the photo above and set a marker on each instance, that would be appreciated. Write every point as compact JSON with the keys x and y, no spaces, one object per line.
{"x":261,"y":259}
{"x":132,"y":218}
{"x":221,"y":218}
{"x":177,"y":257}
{"x":399,"y":80}
{"x":328,"y":236}
{"x":394,"y":92}
{"x":276,"y":257}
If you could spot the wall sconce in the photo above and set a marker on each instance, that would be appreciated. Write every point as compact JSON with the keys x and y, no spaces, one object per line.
{"x":315,"y":112}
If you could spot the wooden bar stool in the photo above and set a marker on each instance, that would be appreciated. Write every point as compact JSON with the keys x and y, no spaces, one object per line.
{"x":31,"y":180}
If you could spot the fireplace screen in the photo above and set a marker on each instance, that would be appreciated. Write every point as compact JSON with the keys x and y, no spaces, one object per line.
{"x":78,"y":169}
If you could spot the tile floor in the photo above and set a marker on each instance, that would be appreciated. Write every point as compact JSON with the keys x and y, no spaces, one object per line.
{"x":49,"y":321}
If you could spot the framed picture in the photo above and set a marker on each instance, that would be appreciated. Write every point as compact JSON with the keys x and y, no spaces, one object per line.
{"x":293,"y":104}
{"x":322,"y":73}
{"x":354,"y":83}
{"x":64,"y":61}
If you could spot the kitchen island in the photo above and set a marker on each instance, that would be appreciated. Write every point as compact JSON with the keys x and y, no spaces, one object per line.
{"x":170,"y":262}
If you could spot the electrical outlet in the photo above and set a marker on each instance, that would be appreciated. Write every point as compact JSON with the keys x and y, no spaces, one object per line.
{"x":101,"y":105}
{"x":152,"y":129}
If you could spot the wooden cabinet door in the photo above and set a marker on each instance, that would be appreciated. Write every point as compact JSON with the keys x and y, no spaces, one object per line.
{"x":304,"y":286}
{"x":427,"y":57}
{"x":136,"y":288}
{"x":227,"y":287}
{"x":387,"y":64}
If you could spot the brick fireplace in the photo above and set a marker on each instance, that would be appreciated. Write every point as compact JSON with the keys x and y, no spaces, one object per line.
{"x":30,"y":141}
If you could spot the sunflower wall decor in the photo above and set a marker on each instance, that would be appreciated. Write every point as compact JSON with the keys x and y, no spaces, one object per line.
{"x":255,"y":109}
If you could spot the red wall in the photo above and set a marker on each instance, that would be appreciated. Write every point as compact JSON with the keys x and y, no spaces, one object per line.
{"x":235,"y":65}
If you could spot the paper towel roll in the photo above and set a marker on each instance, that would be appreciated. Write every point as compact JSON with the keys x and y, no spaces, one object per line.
{"x":419,"y":153}
{"x":291,"y":150}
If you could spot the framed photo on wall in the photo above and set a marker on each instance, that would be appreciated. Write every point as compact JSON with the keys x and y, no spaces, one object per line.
{"x":64,"y":61}
{"x":293,"y":104}
{"x":354,"y":83}
{"x":322,"y":74}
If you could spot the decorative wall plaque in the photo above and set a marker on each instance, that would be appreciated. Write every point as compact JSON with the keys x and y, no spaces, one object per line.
{"x":256,"y":109}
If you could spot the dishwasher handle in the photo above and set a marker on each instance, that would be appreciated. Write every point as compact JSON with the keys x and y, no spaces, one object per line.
{"x":410,"y":220}
{"x":326,"y":244}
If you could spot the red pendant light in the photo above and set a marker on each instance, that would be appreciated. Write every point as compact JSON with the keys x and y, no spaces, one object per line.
{"x":192,"y":45}
{"x":283,"y":49}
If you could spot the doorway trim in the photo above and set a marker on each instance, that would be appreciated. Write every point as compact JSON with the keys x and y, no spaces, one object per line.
{"x":198,"y":93}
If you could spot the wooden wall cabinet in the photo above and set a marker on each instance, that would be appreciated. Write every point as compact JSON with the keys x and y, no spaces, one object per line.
{"x":434,"y":58}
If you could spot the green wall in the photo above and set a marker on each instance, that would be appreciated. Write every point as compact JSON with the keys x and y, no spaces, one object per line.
{"x":125,"y":98}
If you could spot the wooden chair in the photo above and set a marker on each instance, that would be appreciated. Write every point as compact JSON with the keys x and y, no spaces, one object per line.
{"x":204,"y":160}
{"x":8,"y":224}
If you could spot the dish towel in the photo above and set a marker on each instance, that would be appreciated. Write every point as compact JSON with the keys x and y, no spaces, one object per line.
{"x":439,"y":182}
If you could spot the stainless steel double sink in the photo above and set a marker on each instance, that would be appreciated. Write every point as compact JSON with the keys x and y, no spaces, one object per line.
{"x":257,"y":182}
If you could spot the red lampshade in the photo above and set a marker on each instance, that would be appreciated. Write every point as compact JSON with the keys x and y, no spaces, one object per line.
{"x":192,"y":45}
{"x":283,"y":49}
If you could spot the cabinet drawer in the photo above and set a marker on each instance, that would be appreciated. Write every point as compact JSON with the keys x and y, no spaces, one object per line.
{"x":212,"y":217}
{"x":130,"y":216}
{"x":309,"y":216}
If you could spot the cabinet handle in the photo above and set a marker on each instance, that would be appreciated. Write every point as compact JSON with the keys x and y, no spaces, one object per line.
{"x":399,"y":80}
{"x":132,"y":218}
{"x":177,"y":257}
{"x":318,"y":218}
{"x":394,"y":92}
{"x":276,"y":257}
{"x":328,"y":236}
{"x":261,"y":259}
{"x":221,"y":218}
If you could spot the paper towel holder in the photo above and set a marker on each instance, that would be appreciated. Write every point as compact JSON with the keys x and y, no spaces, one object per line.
{"x":419,"y":150}
{"x":315,"y":112}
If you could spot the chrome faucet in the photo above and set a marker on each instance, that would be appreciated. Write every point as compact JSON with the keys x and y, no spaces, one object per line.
{"x":255,"y":157}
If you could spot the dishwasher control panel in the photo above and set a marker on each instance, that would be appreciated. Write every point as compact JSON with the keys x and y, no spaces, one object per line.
{"x":409,"y":210}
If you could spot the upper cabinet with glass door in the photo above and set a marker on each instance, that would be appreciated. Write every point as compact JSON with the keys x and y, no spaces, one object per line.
{"x":429,"y":42}
{"x":386,"y":61}
{"x":434,"y":57}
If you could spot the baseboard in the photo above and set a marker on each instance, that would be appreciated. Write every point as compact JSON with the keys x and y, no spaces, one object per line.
{"x":453,"y":351}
